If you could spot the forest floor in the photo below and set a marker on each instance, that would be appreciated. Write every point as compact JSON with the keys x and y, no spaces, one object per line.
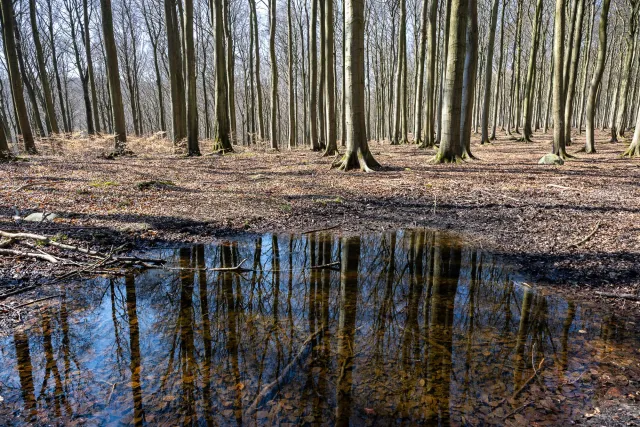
{"x":575,"y":227}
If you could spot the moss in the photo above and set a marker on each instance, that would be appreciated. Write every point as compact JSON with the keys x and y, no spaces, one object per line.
{"x":103,"y":184}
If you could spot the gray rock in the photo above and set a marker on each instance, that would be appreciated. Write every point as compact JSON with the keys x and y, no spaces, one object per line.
{"x":41,"y":217}
{"x":551,"y":159}
{"x":134,"y":227}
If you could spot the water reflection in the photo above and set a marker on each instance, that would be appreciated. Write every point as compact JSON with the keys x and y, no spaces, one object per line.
{"x":405,"y":327}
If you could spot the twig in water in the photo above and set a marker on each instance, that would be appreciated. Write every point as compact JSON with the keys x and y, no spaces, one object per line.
{"x":323,"y":266}
{"x":526,"y":383}
{"x":38,"y":300}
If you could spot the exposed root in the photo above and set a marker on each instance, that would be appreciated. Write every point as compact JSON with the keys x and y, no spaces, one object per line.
{"x":221,"y":148}
{"x":356,"y":160}
{"x":632,"y":151}
{"x":441,"y":158}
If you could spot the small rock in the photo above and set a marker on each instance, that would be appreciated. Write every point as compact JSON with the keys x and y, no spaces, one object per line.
{"x":134,"y":226}
{"x":41,"y":217}
{"x":550,"y":159}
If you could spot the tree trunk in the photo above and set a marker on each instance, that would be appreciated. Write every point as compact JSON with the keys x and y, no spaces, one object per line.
{"x":223,"y":139}
{"x":558,"y":86}
{"x":313,"y":77}
{"x":488,"y":72}
{"x":8,"y":25}
{"x":92,"y":81}
{"x":256,"y":44}
{"x":192,"y":94}
{"x":357,"y":154}
{"x":111,"y":54}
{"x":529,"y":87}
{"x":176,"y":78}
{"x":498,"y":82}
{"x":450,"y":148}
{"x":50,"y":110}
{"x":274,"y":74}
{"x":626,"y":70}
{"x":231,"y":82}
{"x":469,"y":79}
{"x":329,"y":82}
{"x":292,"y":118}
{"x":573,"y":71}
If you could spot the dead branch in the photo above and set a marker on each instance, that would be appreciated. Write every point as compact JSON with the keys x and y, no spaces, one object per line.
{"x":16,"y":292}
{"x":42,"y":256}
{"x":586,"y":239}
{"x":323,"y":266}
{"x":562,"y":187}
{"x":531,"y":378}
{"x":267,"y":389}
{"x":321,"y":229}
{"x":622,"y":296}
{"x":36,"y":301}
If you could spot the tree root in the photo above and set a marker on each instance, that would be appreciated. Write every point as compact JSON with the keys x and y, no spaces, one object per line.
{"x":356,"y":160}
{"x":632,"y":151}
{"x":442,"y":158}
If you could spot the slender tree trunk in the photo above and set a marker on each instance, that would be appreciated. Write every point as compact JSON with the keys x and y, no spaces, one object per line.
{"x":590,"y":145}
{"x":329,"y":81}
{"x":176,"y":77}
{"x":469,"y":79}
{"x":192,"y":94}
{"x":573,"y":71}
{"x":256,"y":44}
{"x":231,"y":82}
{"x":42,"y":71}
{"x":274,"y":74}
{"x":111,"y":54}
{"x":558,"y":86}
{"x":585,"y":69}
{"x":626,"y":70}
{"x":500,"y":78}
{"x":292,"y":118}
{"x":90,"y":72}
{"x":8,"y":25}
{"x":529,"y":87}
{"x":489,"y":70}
{"x":223,"y":139}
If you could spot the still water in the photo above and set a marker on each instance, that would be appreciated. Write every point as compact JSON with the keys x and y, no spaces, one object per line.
{"x":412,"y":327}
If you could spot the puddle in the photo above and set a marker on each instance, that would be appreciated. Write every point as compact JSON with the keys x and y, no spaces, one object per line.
{"x":407,"y":327}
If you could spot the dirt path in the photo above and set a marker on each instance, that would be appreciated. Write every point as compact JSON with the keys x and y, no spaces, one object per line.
{"x":537,"y":216}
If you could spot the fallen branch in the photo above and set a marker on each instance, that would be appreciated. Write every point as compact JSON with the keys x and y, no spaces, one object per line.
{"x":531,"y":378}
{"x":16,"y":292}
{"x":38,"y":300}
{"x":622,"y":296}
{"x":320,"y":229}
{"x":267,"y":389}
{"x":586,"y":239}
{"x":562,"y":187}
{"x":515,"y":411}
{"x":14,"y":252}
{"x":323,"y":266}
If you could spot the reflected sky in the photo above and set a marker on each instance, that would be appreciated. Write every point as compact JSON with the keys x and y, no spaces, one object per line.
{"x":412,"y":327}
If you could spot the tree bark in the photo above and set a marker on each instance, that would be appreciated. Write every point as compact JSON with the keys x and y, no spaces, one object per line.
{"x":357,"y":155}
{"x":450,"y":148}
{"x":8,"y":25}
{"x":111,"y":54}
